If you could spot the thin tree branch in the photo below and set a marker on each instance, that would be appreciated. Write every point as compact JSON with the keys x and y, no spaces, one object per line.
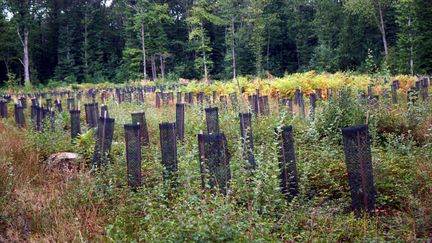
{"x":19,"y":36}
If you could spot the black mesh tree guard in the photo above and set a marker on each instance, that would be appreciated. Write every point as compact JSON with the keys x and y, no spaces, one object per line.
{"x":208,"y":100}
{"x":58,"y":105}
{"x":168,"y":144}
{"x":254,"y":104}
{"x":87,"y":113}
{"x":104,"y":111}
{"x":319,"y":93}
{"x":19,"y":116}
{"x":234,"y":100}
{"x":71,"y":103}
{"x":418,"y":86}
{"x":158,"y":99}
{"x":200,"y":98}
{"x":92,"y":114}
{"x":179,"y":97}
{"x":369,"y":92}
{"x":214,"y":94}
{"x":247,"y":139}
{"x":301,"y":105}
{"x":23,"y":102}
{"x":283,"y":102}
{"x":223,"y":101}
{"x":141,"y":96}
{"x":164,"y":99}
{"x":138,"y":118}
{"x":51,"y":118}
{"x":3,"y":109}
{"x":212,"y":118}
{"x":190,"y":98}
{"x":201,"y":146}
{"x":48,"y":103}
{"x":296,"y":97}
{"x":133,"y":155}
{"x":424,"y":89}
{"x":312,"y":99}
{"x":75,"y":123}
{"x":290,"y":106}
{"x":412,"y":96}
{"x":180,"y":121}
{"x":289,"y":182}
{"x":358,"y":159}
{"x":263,"y":105}
{"x":214,"y":159}
{"x":329,"y":92}
{"x":104,"y":137}
{"x":39,"y":118}
{"x":394,"y":93}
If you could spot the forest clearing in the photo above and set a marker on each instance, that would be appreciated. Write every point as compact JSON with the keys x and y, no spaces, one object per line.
{"x":215,"y":121}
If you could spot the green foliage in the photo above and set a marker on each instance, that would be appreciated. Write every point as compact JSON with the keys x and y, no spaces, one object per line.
{"x":50,"y":141}
{"x":338,"y":113}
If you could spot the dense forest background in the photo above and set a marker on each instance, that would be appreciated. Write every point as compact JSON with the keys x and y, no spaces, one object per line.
{"x":49,"y":41}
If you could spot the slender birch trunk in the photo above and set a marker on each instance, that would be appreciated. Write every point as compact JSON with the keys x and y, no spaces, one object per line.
{"x":143,"y":50}
{"x":26,"y":61}
{"x":233,"y":49}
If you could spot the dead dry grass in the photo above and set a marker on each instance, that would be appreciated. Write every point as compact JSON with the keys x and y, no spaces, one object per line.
{"x":41,"y":205}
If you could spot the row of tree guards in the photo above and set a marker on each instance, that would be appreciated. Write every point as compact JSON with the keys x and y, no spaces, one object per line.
{"x":257,"y":104}
{"x":213,"y":155}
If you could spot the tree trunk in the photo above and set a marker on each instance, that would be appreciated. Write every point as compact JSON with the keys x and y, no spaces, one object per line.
{"x":233,"y":49}
{"x":411,"y":49}
{"x":204,"y":56}
{"x":153,"y":66}
{"x":143,"y":50}
{"x":382,"y":28}
{"x":162,"y":68}
{"x":86,"y":23}
{"x":26,"y":61}
{"x":268,"y":50}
